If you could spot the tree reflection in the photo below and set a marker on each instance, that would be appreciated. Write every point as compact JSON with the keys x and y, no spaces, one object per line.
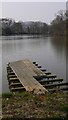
{"x":59,"y":44}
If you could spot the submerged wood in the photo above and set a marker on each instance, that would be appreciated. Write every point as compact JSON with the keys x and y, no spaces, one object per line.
{"x":58,"y":89}
{"x":47,"y":73}
{"x":34,"y":62}
{"x":53,"y":80}
{"x":56,"y":85}
{"x":43,"y":70}
{"x":39,"y":66}
{"x":44,"y":76}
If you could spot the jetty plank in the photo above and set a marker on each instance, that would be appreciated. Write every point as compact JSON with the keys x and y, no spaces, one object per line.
{"x":18,"y":89}
{"x":25,"y":70}
{"x":44,"y":76}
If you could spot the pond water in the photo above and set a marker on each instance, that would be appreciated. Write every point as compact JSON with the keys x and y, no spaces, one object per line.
{"x":49,"y":52}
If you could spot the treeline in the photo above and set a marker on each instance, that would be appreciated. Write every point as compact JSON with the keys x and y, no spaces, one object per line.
{"x":10,"y":27}
{"x":59,"y":26}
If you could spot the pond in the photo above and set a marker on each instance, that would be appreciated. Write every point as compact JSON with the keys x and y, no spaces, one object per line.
{"x":49,"y":52}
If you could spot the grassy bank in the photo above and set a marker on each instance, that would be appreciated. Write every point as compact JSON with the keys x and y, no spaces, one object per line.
{"x":26,"y":105}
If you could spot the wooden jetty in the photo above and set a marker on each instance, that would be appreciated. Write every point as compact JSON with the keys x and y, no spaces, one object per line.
{"x":20,"y":75}
{"x":25,"y":75}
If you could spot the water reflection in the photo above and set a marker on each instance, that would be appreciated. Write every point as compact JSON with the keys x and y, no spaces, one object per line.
{"x":59,"y":45}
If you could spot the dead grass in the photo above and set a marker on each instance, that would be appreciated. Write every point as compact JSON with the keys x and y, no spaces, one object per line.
{"x":27,"y":105}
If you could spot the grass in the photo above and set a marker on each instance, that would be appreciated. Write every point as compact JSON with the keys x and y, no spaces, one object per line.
{"x":7,"y":95}
{"x":27,"y":105}
{"x":14,"y":118}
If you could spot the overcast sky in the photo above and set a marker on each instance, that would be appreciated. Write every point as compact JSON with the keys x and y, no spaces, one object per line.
{"x":32,"y":11}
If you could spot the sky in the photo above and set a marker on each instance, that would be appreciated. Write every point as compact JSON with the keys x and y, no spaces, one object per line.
{"x":31,"y":11}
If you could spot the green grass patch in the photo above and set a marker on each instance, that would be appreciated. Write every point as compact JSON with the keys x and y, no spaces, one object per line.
{"x":24,"y":95}
{"x":7,"y":95}
{"x":64,"y":108}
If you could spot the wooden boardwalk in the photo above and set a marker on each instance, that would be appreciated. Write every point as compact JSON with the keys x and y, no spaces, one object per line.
{"x":25,"y":75}
{"x":25,"y":71}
